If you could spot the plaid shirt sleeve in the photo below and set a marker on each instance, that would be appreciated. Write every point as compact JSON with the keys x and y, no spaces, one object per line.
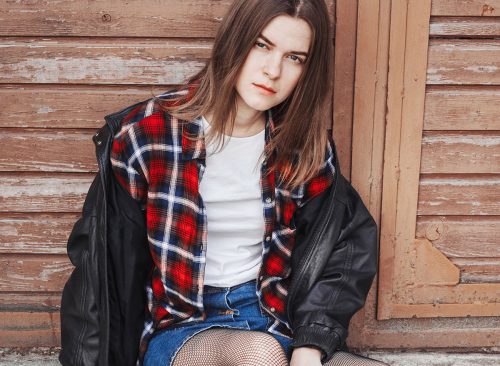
{"x":129,"y":163}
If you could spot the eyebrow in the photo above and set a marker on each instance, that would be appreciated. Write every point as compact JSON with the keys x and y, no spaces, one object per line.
{"x":272,"y":44}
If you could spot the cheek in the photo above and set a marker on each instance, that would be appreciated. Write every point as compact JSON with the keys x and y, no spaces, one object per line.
{"x":292,"y":79}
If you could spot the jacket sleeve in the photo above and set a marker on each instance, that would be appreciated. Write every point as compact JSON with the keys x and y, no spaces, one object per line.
{"x":321,"y":318}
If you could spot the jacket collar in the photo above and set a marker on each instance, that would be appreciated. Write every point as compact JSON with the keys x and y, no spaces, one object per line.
{"x":194,"y":148}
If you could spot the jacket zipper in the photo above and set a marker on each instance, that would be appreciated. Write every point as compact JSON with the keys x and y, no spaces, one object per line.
{"x":104,"y":174}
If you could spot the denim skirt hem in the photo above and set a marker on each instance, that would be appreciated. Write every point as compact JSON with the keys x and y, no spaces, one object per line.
{"x":235,"y":307}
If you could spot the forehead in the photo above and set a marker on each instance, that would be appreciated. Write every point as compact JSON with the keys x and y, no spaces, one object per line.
{"x":288,"y":33}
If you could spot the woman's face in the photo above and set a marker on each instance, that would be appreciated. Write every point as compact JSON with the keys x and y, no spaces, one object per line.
{"x":275,"y":62}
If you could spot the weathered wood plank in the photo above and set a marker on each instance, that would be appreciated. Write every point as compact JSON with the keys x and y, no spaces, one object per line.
{"x":113,"y":18}
{"x":66,"y":106}
{"x":478,"y":270}
{"x":147,"y":18}
{"x":462,"y":236}
{"x":464,"y":27}
{"x":460,"y":152}
{"x":30,"y":329}
{"x":473,"y":108}
{"x":34,"y":272}
{"x":465,"y":8}
{"x":462,"y":61}
{"x":43,"y":193}
{"x":466,"y":294}
{"x":343,"y":86}
{"x":35,"y":233}
{"x":30,"y":301}
{"x":56,"y":150}
{"x":101,"y":61}
{"x":459,"y":195}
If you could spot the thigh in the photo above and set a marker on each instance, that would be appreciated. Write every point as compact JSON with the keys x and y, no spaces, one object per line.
{"x":228,"y":347}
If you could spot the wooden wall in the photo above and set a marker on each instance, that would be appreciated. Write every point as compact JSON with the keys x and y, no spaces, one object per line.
{"x":425,"y":157}
{"x":414,"y":79}
{"x":63,"y":66}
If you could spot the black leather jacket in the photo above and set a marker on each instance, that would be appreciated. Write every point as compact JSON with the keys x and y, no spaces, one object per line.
{"x":102,"y":308}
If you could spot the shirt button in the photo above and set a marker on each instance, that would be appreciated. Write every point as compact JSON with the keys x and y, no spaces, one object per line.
{"x":96,"y":134}
{"x":273,"y":310}
{"x":268,"y":238}
{"x":268,"y":200}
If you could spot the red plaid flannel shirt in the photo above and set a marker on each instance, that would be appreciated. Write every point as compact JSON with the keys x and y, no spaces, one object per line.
{"x":153,"y":159}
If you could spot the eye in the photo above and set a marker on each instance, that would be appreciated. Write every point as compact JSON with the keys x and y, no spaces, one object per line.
{"x":296,"y":59}
{"x":260,"y":45}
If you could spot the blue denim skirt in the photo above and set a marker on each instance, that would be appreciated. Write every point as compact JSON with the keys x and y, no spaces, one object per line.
{"x":235,"y":307}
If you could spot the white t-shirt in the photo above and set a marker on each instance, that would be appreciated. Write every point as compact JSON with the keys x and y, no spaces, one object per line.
{"x":231,"y":191}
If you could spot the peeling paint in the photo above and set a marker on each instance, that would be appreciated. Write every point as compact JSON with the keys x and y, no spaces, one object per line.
{"x":45,"y":110}
{"x":482,"y":69}
{"x":460,"y":182}
{"x":104,"y":68}
{"x":478,"y":140}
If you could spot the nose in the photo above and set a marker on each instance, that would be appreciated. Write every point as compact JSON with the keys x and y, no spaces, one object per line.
{"x":272,"y":66}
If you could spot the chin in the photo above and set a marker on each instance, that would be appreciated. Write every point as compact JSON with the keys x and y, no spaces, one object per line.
{"x":261,"y":105}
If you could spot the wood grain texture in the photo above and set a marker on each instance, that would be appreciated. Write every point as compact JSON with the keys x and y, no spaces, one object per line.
{"x":30,"y":329}
{"x":461,"y":236}
{"x":36,"y":273}
{"x":408,"y":146}
{"x":473,"y":27}
{"x":391,"y":170}
{"x":462,"y":61}
{"x":370,"y":100}
{"x":465,"y":8}
{"x":30,"y":301}
{"x":115,"y":18}
{"x":43,"y":193}
{"x":462,"y":108}
{"x":101,"y":61}
{"x":459,"y":195}
{"x":47,"y":150}
{"x":67,"y":106}
{"x":468,"y":294}
{"x":343,"y":87}
{"x":112,"y":18}
{"x":460,"y":152}
{"x":35,"y":233}
{"x":479,"y":270}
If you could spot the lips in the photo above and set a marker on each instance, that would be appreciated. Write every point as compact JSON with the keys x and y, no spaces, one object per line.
{"x":265,"y":88}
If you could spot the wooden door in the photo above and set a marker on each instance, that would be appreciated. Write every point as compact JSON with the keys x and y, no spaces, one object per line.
{"x":426,"y":102}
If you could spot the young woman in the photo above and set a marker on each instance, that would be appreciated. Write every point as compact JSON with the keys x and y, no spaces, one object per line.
{"x":232,"y":170}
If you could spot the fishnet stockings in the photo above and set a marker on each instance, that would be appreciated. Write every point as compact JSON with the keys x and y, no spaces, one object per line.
{"x":232,"y":347}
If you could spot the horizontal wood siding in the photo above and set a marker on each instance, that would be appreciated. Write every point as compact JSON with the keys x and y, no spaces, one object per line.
{"x":479,"y":8}
{"x":35,"y":233}
{"x":469,"y":27}
{"x":463,"y":61}
{"x":459,"y":190}
{"x":101,"y":61}
{"x":445,"y":108}
{"x":77,"y":106}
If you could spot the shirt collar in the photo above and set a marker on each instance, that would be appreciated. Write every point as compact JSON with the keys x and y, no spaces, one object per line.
{"x":195,"y":148}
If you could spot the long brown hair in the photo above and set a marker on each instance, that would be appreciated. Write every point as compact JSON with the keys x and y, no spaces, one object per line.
{"x":300,"y":138}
